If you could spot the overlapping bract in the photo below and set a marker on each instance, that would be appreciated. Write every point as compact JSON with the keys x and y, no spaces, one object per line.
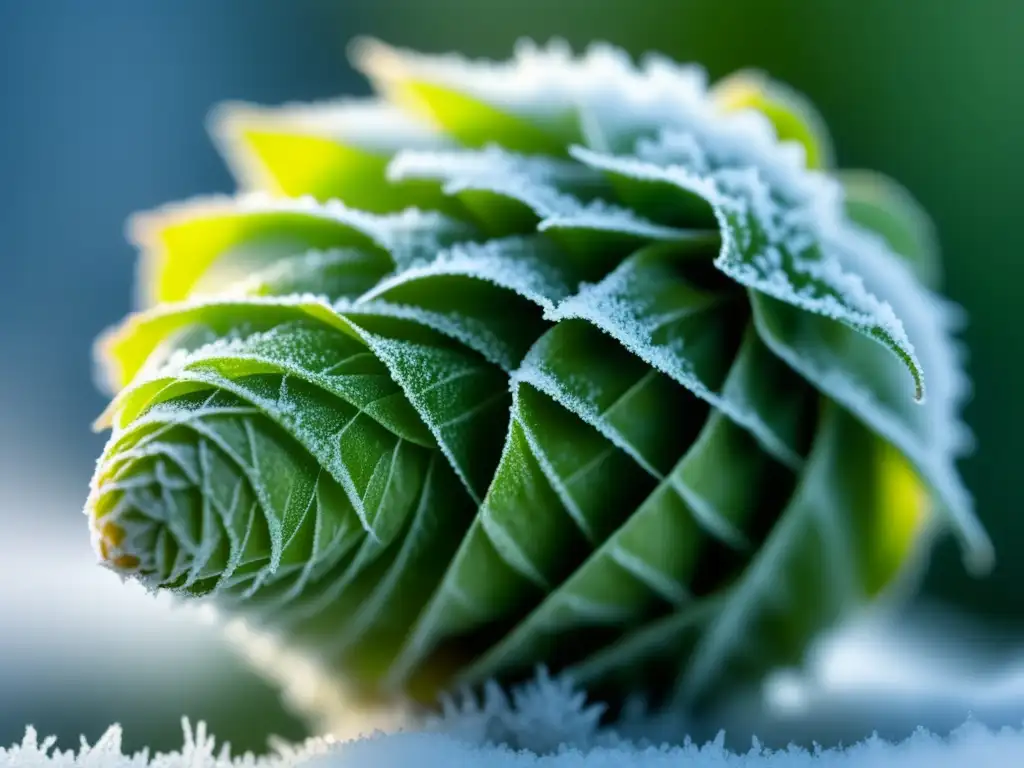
{"x":561,"y":360}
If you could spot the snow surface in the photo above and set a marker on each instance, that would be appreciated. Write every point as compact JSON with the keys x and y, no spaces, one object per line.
{"x":971,"y":744}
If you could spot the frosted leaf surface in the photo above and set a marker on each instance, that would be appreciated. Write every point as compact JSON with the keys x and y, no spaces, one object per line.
{"x":126,"y":350}
{"x":463,"y":401}
{"x":509,"y":193}
{"x":591,"y":375}
{"x":207,"y":243}
{"x":781,"y":250}
{"x":649,"y":306}
{"x":528,"y":266}
{"x":317,"y":355}
{"x":536,"y":102}
{"x":490,"y":296}
{"x":931,"y":434}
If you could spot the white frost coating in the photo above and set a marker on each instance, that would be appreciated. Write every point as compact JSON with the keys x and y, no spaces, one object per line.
{"x":534,"y":372}
{"x":674,"y":148}
{"x":545,"y":185}
{"x":540,"y":715}
{"x":322,"y":445}
{"x":236,"y":346}
{"x":460,"y":166}
{"x":393,"y":232}
{"x":662,"y":112}
{"x":972,"y":744}
{"x":522,"y":265}
{"x":368,"y":125}
{"x":303,"y":352}
{"x":772,"y":245}
{"x":115,"y":342}
{"x":419,"y":370}
{"x":932,"y":320}
{"x":612,"y":306}
{"x":456,"y":745}
{"x":166,"y":416}
{"x":528,"y":267}
{"x":279,"y":406}
{"x":538,"y":182}
{"x":199,"y":750}
{"x":600,"y":216}
{"x":545,"y":85}
{"x":609,"y":97}
{"x":470,"y":331}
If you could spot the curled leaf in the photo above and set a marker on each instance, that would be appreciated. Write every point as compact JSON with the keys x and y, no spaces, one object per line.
{"x":562,"y":360}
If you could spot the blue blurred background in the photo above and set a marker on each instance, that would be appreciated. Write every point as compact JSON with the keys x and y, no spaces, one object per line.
{"x":102,"y":108}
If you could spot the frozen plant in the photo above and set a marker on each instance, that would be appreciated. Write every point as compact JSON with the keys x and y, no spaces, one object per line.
{"x":564,"y":360}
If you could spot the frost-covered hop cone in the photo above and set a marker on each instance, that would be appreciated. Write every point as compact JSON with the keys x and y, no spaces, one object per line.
{"x":561,"y":360}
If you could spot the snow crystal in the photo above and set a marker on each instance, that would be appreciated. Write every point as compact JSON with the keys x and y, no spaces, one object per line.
{"x":540,"y":716}
{"x":971,"y":744}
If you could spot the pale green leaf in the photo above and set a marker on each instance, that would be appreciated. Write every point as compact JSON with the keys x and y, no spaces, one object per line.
{"x":209,"y":244}
{"x":446,"y":93}
{"x":321,"y":356}
{"x":330,"y":151}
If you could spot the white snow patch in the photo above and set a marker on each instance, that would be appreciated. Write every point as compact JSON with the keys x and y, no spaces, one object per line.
{"x":971,"y":744}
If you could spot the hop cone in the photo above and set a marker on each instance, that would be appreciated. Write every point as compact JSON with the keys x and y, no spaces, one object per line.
{"x":562,"y":361}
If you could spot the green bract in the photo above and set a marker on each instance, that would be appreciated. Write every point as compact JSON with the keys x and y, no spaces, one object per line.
{"x":558,"y":361}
